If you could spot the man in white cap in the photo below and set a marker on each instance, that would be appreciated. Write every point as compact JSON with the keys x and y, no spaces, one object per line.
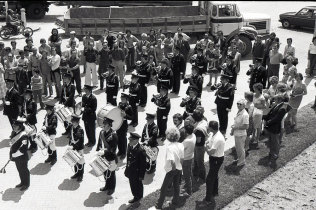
{"x":140,"y":44}
{"x":73,"y":38}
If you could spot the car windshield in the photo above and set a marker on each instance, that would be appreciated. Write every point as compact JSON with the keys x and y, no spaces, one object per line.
{"x":226,"y":10}
{"x":305,"y":12}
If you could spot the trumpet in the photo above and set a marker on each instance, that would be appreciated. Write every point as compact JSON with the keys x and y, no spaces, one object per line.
{"x":186,"y":99}
{"x":216,"y":86}
{"x":105,"y":75}
{"x":156,"y":99}
{"x":126,"y":84}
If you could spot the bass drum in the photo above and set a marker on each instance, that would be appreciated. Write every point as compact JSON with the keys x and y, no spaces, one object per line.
{"x":112,"y":112}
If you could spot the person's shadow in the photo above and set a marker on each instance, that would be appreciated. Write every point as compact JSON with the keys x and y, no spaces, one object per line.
{"x":41,"y":169}
{"x":97,"y":199}
{"x":12,"y":194}
{"x":201,"y":206}
{"x":148,"y":179}
{"x":87,"y":150}
{"x":4,"y":143}
{"x":264,"y":161}
{"x":61,"y":141}
{"x":69,"y":185}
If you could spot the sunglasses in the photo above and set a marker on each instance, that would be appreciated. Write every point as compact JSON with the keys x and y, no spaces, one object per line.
{"x":239,"y":104}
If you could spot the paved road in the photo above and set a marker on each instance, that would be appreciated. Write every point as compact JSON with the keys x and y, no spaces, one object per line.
{"x":51,"y":187}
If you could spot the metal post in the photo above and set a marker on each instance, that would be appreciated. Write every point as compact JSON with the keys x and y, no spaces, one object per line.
{"x":315,"y":28}
{"x":23,"y":18}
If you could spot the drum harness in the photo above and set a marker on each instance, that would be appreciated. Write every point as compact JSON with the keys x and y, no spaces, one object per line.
{"x":74,"y":142}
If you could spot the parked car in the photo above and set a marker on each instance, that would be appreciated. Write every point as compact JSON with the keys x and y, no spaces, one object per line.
{"x":303,"y":18}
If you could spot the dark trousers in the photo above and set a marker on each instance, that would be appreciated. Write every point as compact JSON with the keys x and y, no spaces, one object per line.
{"x":76,"y":78}
{"x":32,"y":142}
{"x":162,"y":124}
{"x":135,"y":113}
{"x":24,"y":173}
{"x":37,"y":94}
{"x":176,"y":83}
{"x":122,"y":140}
{"x":174,"y":178}
{"x":212,"y":177}
{"x":89,"y":126}
{"x":29,"y":76}
{"x":312,"y":64}
{"x":222,"y":118}
{"x":12,"y":119}
{"x":110,"y":178}
{"x":79,"y":169}
{"x":136,"y":185}
{"x":110,"y":99}
{"x":198,"y":164}
{"x":130,"y":58}
{"x":187,"y":174}
{"x":143,"y":95}
{"x":102,"y":69}
{"x":274,"y":145}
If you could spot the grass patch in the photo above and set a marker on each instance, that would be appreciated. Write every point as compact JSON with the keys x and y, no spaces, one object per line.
{"x":233,"y":184}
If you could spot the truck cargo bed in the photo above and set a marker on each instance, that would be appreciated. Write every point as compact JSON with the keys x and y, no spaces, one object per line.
{"x":134,"y":12}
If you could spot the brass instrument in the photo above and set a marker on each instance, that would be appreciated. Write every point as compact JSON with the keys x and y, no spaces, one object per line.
{"x":126,"y":84}
{"x":186,"y":99}
{"x":216,"y":86}
{"x":156,"y":99}
{"x":151,"y":152}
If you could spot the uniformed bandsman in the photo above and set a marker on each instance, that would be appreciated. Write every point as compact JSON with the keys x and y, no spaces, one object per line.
{"x":29,"y":110}
{"x":134,"y":92}
{"x":144,"y":76}
{"x":68,"y":98}
{"x":164,"y":76}
{"x":89,"y":105}
{"x":178,"y":64}
{"x":149,"y":138}
{"x":76,"y":143}
{"x":135,"y":167}
{"x":163,"y":108}
{"x":49,"y":127}
{"x":112,"y":85}
{"x":12,"y":102}
{"x":190,"y":103}
{"x":224,"y":101}
{"x":18,"y":153}
{"x":201,"y":62}
{"x":106,"y":147}
{"x":127,"y":114}
{"x":258,"y":74}
{"x":196,"y":80}
{"x":230,"y":69}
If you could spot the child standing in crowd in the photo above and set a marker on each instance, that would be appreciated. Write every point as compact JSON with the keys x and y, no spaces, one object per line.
{"x":37,"y":86}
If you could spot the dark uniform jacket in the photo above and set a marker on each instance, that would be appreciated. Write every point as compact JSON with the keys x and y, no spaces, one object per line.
{"x":12,"y":110}
{"x":196,"y":80}
{"x":225,"y":96}
{"x":110,"y":39}
{"x":128,"y":111}
{"x":165,"y":77}
{"x":152,"y":130}
{"x":77,"y":138}
{"x":163,"y":105}
{"x":201,"y":63}
{"x":257,"y":75}
{"x":112,"y":84}
{"x":134,"y":92}
{"x":178,"y":64}
{"x":274,"y":117}
{"x":184,"y":47}
{"x":90,"y":106}
{"x":29,"y":110}
{"x":104,"y":60}
{"x":68,"y":95}
{"x":191,"y":104}
{"x":17,"y":145}
{"x":51,"y":124}
{"x":231,"y":71}
{"x":108,"y":140}
{"x":144,"y":73}
{"x":136,"y":162}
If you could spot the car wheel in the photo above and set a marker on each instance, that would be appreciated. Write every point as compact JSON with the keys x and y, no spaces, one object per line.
{"x":247,"y":45}
{"x":286,"y":24}
{"x":5,"y":33}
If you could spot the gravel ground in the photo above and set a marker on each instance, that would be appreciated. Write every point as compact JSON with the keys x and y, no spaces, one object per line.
{"x":291,"y":187}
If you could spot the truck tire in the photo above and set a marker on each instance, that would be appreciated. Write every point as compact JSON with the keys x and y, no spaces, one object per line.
{"x":247,"y":45}
{"x":35,"y":11}
{"x":286,"y":24}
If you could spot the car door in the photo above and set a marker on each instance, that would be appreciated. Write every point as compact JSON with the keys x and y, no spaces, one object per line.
{"x":302,"y":18}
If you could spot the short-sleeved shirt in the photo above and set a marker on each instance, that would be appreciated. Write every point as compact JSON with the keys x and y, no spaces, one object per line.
{"x":174,"y":152}
{"x":217,"y":142}
{"x":241,"y":118}
{"x":189,"y":145}
{"x":275,"y":58}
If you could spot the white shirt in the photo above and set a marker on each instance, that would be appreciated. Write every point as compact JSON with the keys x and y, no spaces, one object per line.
{"x":55,"y":60}
{"x":185,"y":37}
{"x":189,"y":145}
{"x":217,"y":142}
{"x":241,"y":118}
{"x":289,"y":50}
{"x":312,"y":49}
{"x":174,"y":152}
{"x":75,"y":40}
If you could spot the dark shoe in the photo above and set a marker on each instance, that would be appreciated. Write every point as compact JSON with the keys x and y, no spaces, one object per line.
{"x":79,"y":178}
{"x":87,"y":144}
{"x":131,"y":124}
{"x":19,"y":185}
{"x":110,"y":192}
{"x":74,"y":176}
{"x":48,"y":159}
{"x":142,"y":105}
{"x":135,"y":124}
{"x":65,"y":133}
{"x":53,"y":162}
{"x":122,"y":157}
{"x":80,"y":95}
{"x":56,"y":97}
{"x":314,"y":106}
{"x":103,"y":189}
{"x":172,"y":92}
{"x":24,"y":188}
{"x":158,"y":207}
{"x":134,"y":200}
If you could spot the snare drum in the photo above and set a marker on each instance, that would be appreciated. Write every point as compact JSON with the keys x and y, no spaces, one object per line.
{"x":63,"y":113}
{"x":29,"y":130}
{"x":99,"y":165}
{"x":72,"y":157}
{"x":42,"y":140}
{"x":113,"y":113}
